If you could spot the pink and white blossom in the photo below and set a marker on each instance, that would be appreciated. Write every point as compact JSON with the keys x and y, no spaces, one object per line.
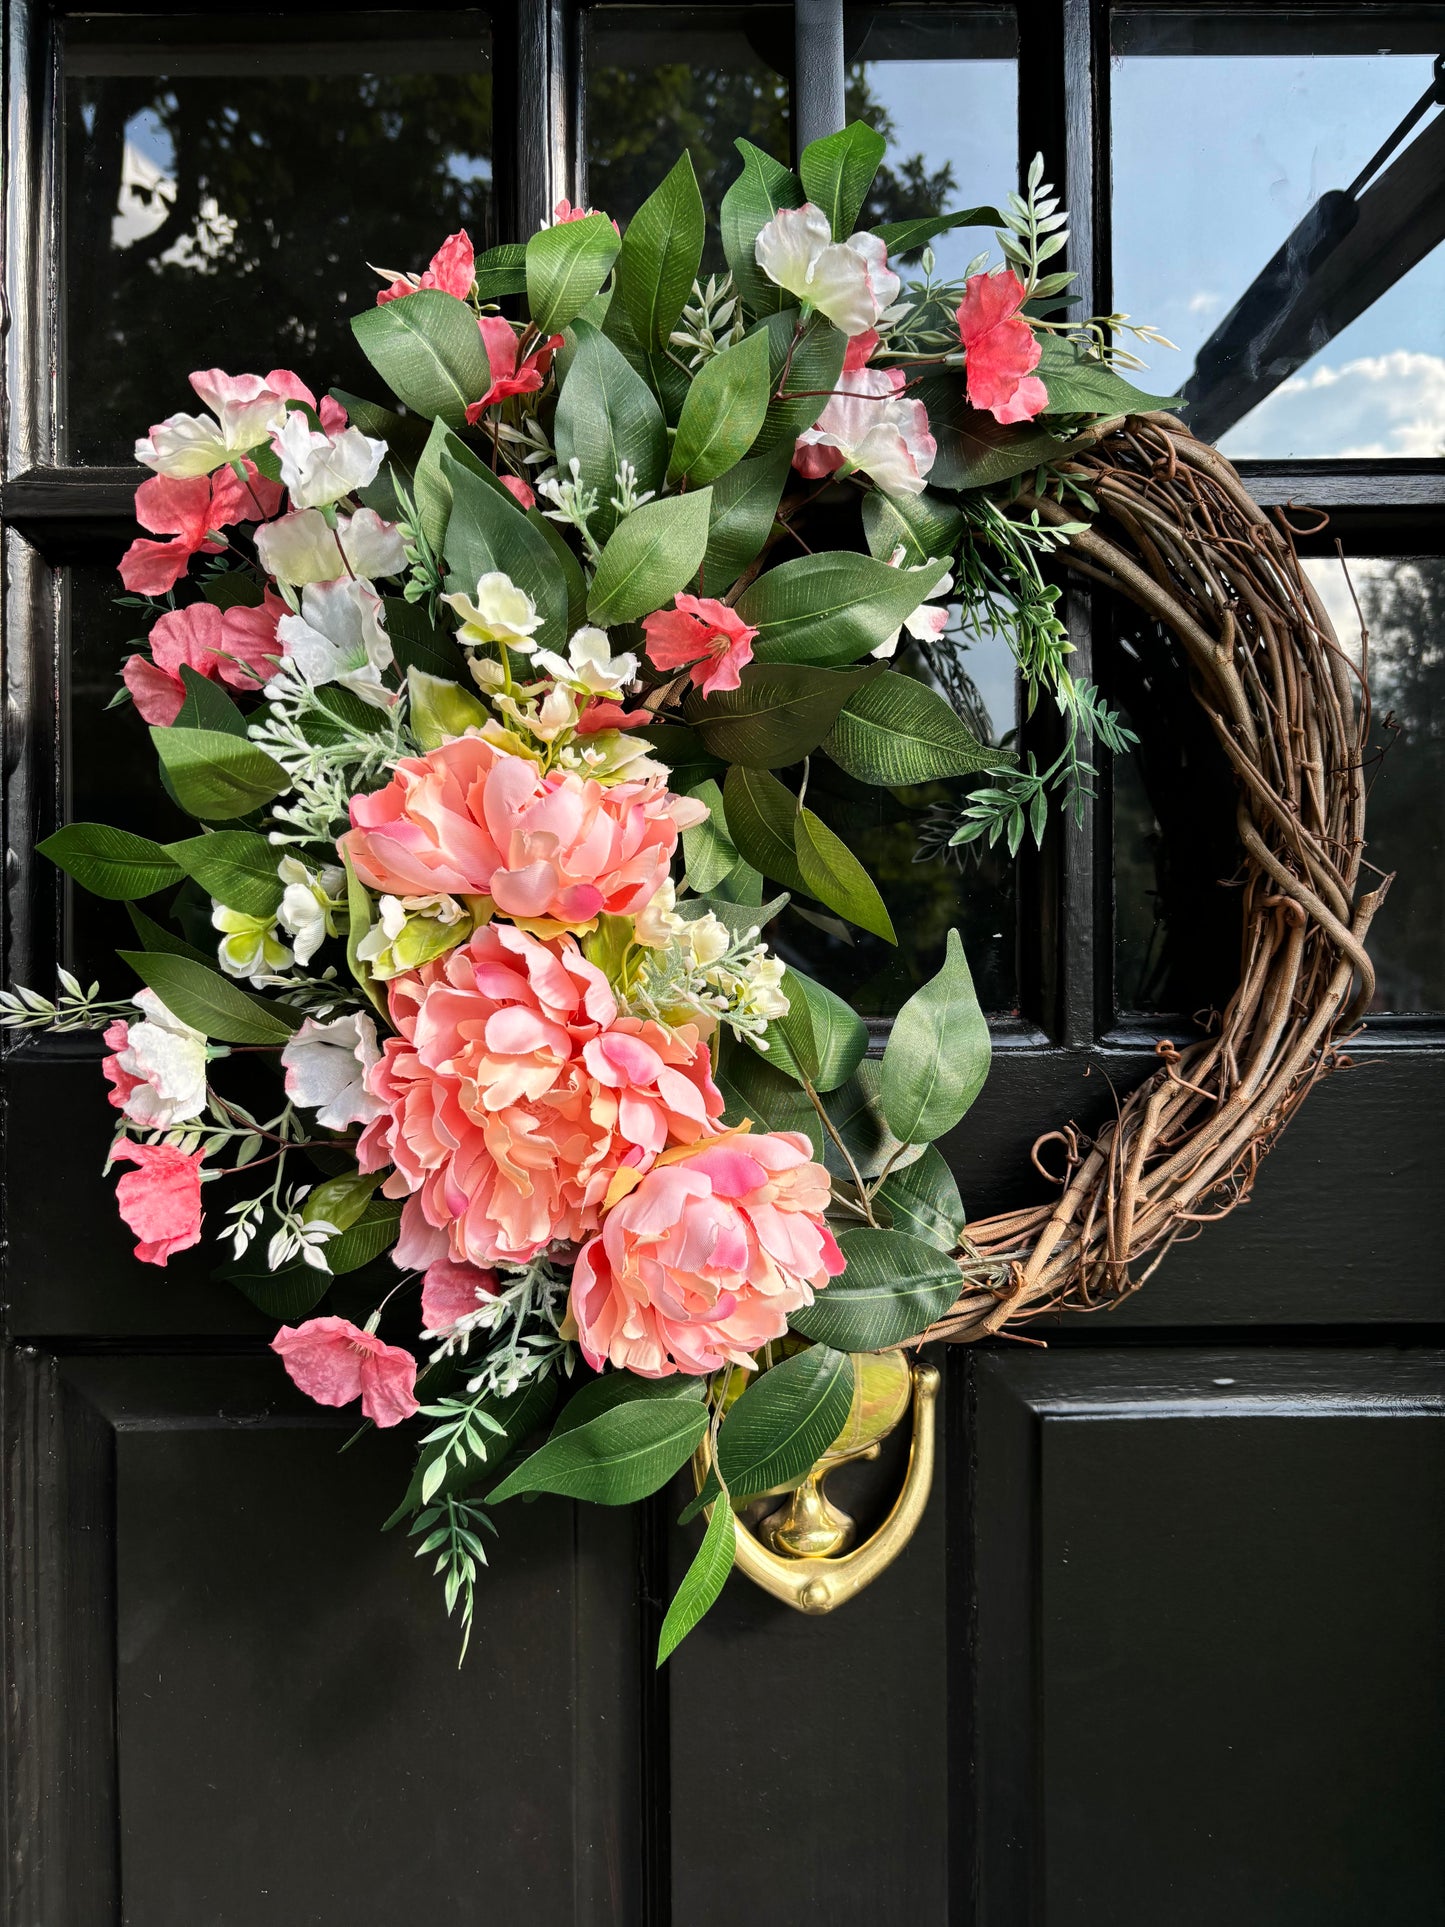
{"x":334,"y":1361}
{"x":302,"y":547}
{"x":326,"y":1065}
{"x":245,"y":409}
{"x":870,"y":425}
{"x":320,"y":469}
{"x":929,"y":620}
{"x":339,"y":637}
{"x":157,"y":1067}
{"x":848,"y":281}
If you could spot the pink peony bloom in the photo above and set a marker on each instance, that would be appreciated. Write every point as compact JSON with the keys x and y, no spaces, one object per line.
{"x":236,"y":646}
{"x":470,"y":820}
{"x":451,"y":1292}
{"x":160,"y":1201}
{"x":1002,"y":349}
{"x":507,"y":378}
{"x":706,"y":1258}
{"x":452,"y":270}
{"x":187,"y":510}
{"x":708,"y":635}
{"x":334,"y":1361}
{"x":513,"y":1092}
{"x":522,"y":491}
{"x":870,"y":425}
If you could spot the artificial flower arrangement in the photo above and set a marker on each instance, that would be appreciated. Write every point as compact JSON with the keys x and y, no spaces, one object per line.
{"x":495,"y":712}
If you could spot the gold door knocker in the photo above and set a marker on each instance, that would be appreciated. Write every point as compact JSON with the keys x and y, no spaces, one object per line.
{"x":803,"y":1552}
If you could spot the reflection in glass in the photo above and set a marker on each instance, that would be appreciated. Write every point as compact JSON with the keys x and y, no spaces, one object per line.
{"x":1403,"y":603}
{"x":228,"y":182}
{"x":1304,"y":285}
{"x":901,"y":838}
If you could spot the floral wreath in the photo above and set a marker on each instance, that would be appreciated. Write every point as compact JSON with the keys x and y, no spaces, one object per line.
{"x":495,"y":710}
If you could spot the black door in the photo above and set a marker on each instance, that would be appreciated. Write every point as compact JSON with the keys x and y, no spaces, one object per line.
{"x":1165,"y":1649}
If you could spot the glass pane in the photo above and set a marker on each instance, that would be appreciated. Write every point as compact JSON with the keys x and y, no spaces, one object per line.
{"x":659,"y":79}
{"x":228,"y":182}
{"x":1305,"y":289}
{"x":1403,"y":603}
{"x":942,"y":88}
{"x":901,"y":838}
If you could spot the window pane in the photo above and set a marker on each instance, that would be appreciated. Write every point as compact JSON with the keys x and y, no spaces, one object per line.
{"x":659,"y":79}
{"x":942,"y":87}
{"x":228,"y":181}
{"x":1339,"y":349}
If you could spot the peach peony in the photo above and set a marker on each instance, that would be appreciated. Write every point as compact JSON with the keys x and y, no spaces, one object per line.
{"x":513,"y":1094}
{"x":471,"y":820}
{"x":706,"y":1258}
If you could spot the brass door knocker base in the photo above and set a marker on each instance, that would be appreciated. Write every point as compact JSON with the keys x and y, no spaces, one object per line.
{"x":801,"y":1552}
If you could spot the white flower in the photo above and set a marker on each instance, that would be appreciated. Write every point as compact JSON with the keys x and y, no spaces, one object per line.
{"x":250,"y":946}
{"x":306,"y":905}
{"x":411,"y":931}
{"x":869,"y":424}
{"x":338,"y":637}
{"x":320,"y":469}
{"x":589,"y":664}
{"x":553,"y":717}
{"x":659,"y":924}
{"x":707,"y":939}
{"x":926,"y":621}
{"x":326,"y":1066}
{"x":763,"y":979}
{"x":168,"y":1058}
{"x":302,"y":547}
{"x":848,"y":281}
{"x":501,"y":613}
{"x":244,"y":413}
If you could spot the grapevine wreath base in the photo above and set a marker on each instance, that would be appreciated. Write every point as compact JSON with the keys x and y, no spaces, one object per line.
{"x":1179,"y":535}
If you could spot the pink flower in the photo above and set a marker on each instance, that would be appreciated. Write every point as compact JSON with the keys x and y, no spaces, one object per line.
{"x":334,"y":1361}
{"x":452,"y":270}
{"x":709,"y":635}
{"x":705,"y":1260}
{"x":860,"y":351}
{"x":870,"y":425}
{"x":513,"y":1092}
{"x":451,"y":1292}
{"x":161,"y":1201}
{"x":1002,"y":349}
{"x":470,"y":820}
{"x":245,"y":410}
{"x":600,"y":714}
{"x":507,"y":378}
{"x":565,"y":212}
{"x":236,"y":646}
{"x":522,"y":491}
{"x":187,"y":509}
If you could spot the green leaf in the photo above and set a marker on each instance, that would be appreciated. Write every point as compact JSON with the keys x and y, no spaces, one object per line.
{"x":238,"y":867}
{"x":519,"y":1415}
{"x":341,"y":1200}
{"x":649,"y":556}
{"x":566,"y":265}
{"x":709,"y":852}
{"x":838,"y":171}
{"x":812,"y":375}
{"x":439,"y":709}
{"x":487,"y":530}
{"x":777,"y":715}
{"x":974,"y":450}
{"x":680,"y":750}
{"x":668,"y":380}
{"x":111,"y":863}
{"x":761,"y":813}
{"x":737,"y":917}
{"x":831,"y":608}
{"x":702,"y":1582}
{"x":750,"y":203}
{"x":207,"y":706}
{"x":661,"y":254}
{"x":904,"y":237}
{"x":211,"y":1003}
{"x":1080,"y":385}
{"x":573,"y":579}
{"x":785,"y":1421}
{"x":417,"y":643}
{"x":833,"y":875}
{"x":924,"y":526}
{"x":617,"y":1457}
{"x":744,"y":507}
{"x":895,"y":1287}
{"x":155,"y":936}
{"x":233,"y":590}
{"x":292,"y":1293}
{"x":429,"y":351}
{"x":753,"y":1088}
{"x":501,"y":271}
{"x":856,"y":1114}
{"x":723,"y":412}
{"x":215,"y":775}
{"x":607,"y":415}
{"x":836,"y":1033}
{"x":359,"y":918}
{"x":922,"y":1199}
{"x":897,"y":731}
{"x":619,"y":1388}
{"x":938,"y":1054}
{"x":373,"y":1232}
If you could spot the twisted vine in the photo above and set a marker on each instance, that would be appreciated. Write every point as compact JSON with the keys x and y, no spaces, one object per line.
{"x":1179,"y":535}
